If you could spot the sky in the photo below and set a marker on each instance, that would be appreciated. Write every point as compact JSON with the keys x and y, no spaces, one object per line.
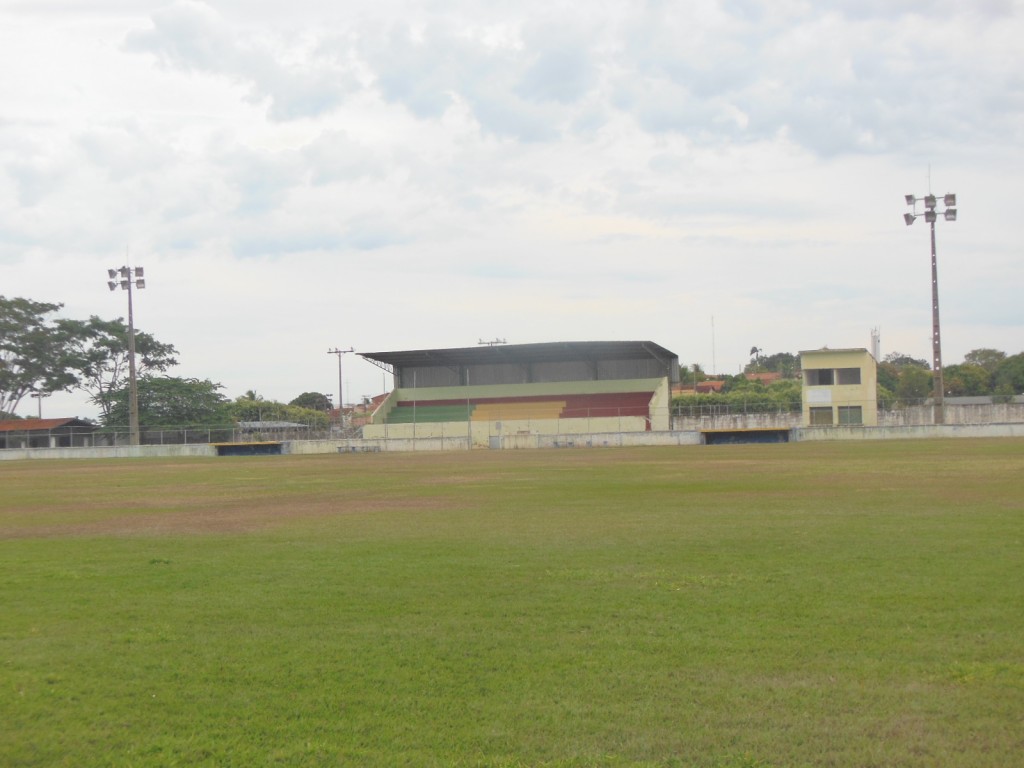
{"x":712,"y":176}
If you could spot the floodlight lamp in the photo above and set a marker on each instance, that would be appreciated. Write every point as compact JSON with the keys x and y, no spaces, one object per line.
{"x":949,"y":201}
{"x":140,"y":283}
{"x":111,"y":273}
{"x":909,"y":199}
{"x":909,"y":218}
{"x":950,"y":214}
{"x":124,"y":271}
{"x":929,"y":201}
{"x":139,"y":272}
{"x":111,"y":284}
{"x":930,"y":216}
{"x":125,"y":284}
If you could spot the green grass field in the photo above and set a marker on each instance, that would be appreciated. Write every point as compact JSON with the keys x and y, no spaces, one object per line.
{"x":836,"y":604}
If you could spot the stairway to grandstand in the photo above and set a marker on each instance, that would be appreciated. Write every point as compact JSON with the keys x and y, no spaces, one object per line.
{"x":408,"y":413}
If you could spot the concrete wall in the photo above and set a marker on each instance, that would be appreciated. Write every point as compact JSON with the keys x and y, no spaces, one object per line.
{"x":953,"y":413}
{"x":109,"y":452}
{"x":522,"y":441}
{"x":923,"y":432}
{"x":482,"y":432}
{"x":518,"y":441}
{"x":739,"y":421}
{"x":660,"y":407}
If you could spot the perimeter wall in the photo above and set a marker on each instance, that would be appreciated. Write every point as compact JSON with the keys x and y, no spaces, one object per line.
{"x":522,"y":442}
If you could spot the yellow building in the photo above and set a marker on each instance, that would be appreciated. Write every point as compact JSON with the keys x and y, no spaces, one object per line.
{"x":839,"y":388}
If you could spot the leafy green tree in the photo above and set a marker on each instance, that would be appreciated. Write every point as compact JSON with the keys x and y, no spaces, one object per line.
{"x":1009,"y":376}
{"x":886,"y":397}
{"x":915,"y":383}
{"x":246,"y":409}
{"x":888,"y":376}
{"x":314,"y":401}
{"x":901,"y":360}
{"x":166,"y":401}
{"x":747,"y":396}
{"x":35,"y":351}
{"x":688,"y":374}
{"x":903,"y":377}
{"x":101,"y":353}
{"x":785,"y":363}
{"x":987,"y":358}
{"x":966,"y":379}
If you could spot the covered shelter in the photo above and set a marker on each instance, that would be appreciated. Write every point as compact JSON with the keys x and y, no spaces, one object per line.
{"x":46,"y":433}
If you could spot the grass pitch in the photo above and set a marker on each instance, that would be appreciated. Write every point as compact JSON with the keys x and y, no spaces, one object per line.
{"x":836,"y":604}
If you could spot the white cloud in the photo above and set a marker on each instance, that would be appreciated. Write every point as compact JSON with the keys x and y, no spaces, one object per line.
{"x":193,"y":37}
{"x":301,"y":176}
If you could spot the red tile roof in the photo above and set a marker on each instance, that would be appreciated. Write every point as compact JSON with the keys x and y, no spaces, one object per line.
{"x":40,"y":425}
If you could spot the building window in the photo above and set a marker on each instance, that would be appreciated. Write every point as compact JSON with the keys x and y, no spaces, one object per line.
{"x":847,"y":375}
{"x":850,"y":415}
{"x":821,"y":417}
{"x":819,"y":377}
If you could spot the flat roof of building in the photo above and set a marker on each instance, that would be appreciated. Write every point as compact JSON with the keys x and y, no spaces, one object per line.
{"x":557,"y":351}
{"x":829,"y":351}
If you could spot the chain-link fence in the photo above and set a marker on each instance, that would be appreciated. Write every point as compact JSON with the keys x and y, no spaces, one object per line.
{"x":751,"y":414}
{"x":87,"y":436}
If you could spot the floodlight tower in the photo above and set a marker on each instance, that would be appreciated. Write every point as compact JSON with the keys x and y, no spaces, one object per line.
{"x":341,"y":399}
{"x":39,"y":395}
{"x":931,"y":215}
{"x":125,"y":278}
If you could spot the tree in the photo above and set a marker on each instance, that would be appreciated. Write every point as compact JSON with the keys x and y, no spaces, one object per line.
{"x":966,"y":379}
{"x":900,"y":375}
{"x":690,"y":374}
{"x":314,"y":401}
{"x":986,"y":358}
{"x":246,"y":409}
{"x":35,"y":351}
{"x":915,"y":383}
{"x":785,"y":363}
{"x":101,"y":353}
{"x":1009,"y":376}
{"x":901,"y":360}
{"x":888,"y":376}
{"x":166,"y":401}
{"x":783,"y":395}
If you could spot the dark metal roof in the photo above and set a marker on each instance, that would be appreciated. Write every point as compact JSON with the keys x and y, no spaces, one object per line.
{"x":557,"y":351}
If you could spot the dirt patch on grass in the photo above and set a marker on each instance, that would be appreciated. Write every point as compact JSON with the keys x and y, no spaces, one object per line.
{"x":203,"y":517}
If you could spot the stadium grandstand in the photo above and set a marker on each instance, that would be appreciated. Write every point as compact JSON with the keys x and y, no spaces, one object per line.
{"x":495,"y":391}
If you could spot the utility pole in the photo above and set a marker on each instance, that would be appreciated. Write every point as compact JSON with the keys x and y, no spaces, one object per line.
{"x":341,"y":387}
{"x":125,"y":278}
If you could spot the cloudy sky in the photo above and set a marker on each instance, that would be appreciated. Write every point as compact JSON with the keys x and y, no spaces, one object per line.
{"x":708,"y":175}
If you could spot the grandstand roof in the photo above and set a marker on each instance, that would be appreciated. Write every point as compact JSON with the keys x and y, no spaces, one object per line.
{"x":523,"y":353}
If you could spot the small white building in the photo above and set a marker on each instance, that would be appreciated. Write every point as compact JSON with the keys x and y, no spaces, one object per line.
{"x":840,"y":388}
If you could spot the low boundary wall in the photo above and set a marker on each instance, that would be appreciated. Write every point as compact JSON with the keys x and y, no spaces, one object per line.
{"x":110,"y":452}
{"x":522,"y":442}
{"x":924,"y":432}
